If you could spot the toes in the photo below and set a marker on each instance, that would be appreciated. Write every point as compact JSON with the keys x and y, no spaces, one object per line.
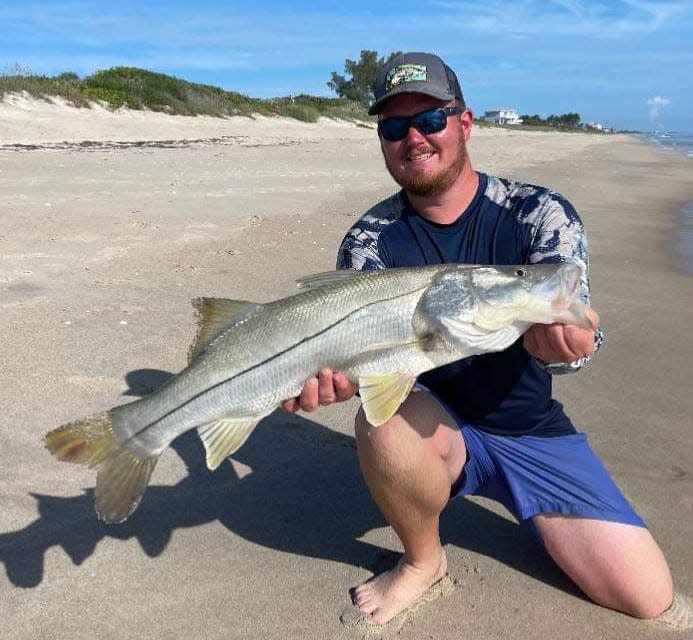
{"x":388,"y":594}
{"x":364,"y":599}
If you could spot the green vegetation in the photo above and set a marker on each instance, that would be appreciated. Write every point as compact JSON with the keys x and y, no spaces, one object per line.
{"x":140,"y":89}
{"x":564,"y":121}
{"x":363,"y":72}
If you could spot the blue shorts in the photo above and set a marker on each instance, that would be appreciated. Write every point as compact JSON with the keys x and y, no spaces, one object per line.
{"x":530,"y":475}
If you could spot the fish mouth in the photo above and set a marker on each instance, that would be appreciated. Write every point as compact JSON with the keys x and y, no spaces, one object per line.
{"x":561,"y":288}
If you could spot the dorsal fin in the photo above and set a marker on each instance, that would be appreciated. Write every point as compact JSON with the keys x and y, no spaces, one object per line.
{"x":214,"y":316}
{"x":327,"y":278}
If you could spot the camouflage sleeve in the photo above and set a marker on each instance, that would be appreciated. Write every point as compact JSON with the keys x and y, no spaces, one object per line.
{"x":361,"y":248}
{"x":559,"y":236}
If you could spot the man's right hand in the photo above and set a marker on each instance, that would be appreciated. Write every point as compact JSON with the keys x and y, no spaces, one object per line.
{"x":324,"y":389}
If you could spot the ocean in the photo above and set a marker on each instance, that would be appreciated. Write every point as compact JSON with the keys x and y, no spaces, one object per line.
{"x":682,"y":240}
{"x":678,"y":141}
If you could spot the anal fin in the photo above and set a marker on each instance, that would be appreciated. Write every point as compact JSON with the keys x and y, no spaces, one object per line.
{"x":224,"y":437}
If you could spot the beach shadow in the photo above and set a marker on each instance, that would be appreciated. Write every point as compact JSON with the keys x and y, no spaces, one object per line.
{"x":300,"y":491}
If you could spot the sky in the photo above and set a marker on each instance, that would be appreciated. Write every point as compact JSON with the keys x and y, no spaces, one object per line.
{"x":626,"y":64}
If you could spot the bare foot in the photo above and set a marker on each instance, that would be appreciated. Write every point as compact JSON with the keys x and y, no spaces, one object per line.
{"x":393,"y":591}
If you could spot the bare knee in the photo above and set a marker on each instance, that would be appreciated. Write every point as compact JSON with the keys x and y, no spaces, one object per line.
{"x":618,"y":566}
{"x":421,"y":429}
{"x":389,"y":447}
{"x":376,"y":438}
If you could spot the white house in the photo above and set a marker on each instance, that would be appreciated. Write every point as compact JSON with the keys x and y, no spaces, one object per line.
{"x":504,"y":115}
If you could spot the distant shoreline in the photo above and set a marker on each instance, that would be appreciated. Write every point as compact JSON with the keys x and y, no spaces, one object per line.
{"x":678,"y":141}
{"x":681,"y":242}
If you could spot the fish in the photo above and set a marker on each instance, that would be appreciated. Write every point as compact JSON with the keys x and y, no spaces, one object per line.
{"x":381,"y":328}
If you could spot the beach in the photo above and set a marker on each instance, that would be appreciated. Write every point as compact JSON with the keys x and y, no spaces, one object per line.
{"x":113,"y":222}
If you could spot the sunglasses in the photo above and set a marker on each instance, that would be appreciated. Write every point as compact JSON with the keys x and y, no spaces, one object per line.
{"x":427,"y":122}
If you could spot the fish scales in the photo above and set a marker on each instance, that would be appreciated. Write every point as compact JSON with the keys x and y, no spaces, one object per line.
{"x":306,"y":328}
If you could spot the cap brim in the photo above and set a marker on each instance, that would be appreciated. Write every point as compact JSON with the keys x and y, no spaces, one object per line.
{"x":410,"y":87}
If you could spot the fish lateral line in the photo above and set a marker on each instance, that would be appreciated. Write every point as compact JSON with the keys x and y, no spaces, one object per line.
{"x":270,"y":359}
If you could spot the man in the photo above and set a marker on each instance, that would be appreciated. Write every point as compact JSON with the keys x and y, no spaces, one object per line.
{"x":485,"y":425}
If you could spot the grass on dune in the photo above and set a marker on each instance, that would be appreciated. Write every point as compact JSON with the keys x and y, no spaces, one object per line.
{"x":140,"y":89}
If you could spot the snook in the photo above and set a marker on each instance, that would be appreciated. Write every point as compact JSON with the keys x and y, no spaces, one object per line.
{"x":382,"y":328}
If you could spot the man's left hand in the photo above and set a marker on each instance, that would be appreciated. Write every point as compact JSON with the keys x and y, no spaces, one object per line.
{"x":561,"y":342}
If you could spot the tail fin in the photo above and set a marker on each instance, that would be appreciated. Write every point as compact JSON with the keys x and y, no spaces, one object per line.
{"x":122,"y":476}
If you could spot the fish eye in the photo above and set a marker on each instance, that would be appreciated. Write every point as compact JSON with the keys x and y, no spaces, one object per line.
{"x":519,"y":271}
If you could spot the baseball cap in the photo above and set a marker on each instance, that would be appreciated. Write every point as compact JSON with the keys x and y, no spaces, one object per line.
{"x":415,"y":72}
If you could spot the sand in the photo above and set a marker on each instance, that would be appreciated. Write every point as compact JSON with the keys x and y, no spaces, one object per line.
{"x":112,"y":222}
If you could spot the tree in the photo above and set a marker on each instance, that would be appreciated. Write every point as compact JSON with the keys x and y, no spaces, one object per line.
{"x":359,"y":87}
{"x":564,"y":121}
{"x":533,"y":120}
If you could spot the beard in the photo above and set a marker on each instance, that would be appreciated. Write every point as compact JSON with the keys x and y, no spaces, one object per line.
{"x":429,"y":185}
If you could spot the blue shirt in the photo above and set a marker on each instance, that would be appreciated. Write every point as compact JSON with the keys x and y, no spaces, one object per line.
{"x":507,"y":222}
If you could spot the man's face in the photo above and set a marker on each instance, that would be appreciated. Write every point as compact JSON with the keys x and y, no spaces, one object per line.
{"x":425,"y":165}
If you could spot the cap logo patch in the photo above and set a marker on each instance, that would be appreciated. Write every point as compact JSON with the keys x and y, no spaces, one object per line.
{"x":406,"y":73}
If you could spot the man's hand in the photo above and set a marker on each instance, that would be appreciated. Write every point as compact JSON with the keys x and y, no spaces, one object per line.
{"x":325,"y":388}
{"x":561,"y":342}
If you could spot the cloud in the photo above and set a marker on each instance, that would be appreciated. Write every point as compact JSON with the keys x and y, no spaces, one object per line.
{"x":601,"y":19}
{"x":656,"y":104}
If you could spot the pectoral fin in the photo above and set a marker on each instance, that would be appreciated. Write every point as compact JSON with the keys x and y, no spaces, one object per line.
{"x":471,"y":339}
{"x":222,"y":438}
{"x":381,"y":395}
